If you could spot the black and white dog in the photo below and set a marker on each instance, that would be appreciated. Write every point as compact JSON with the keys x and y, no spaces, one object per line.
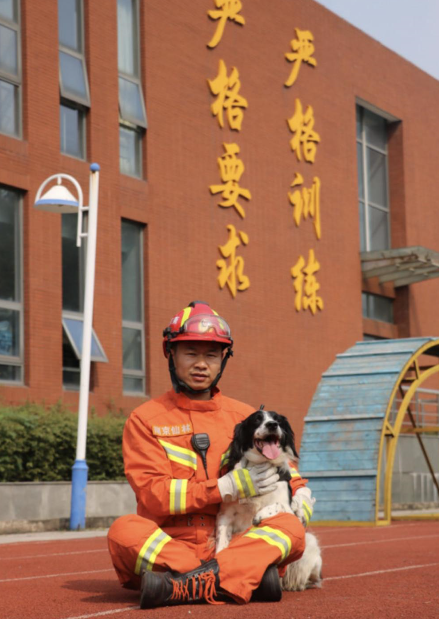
{"x":267,"y":436}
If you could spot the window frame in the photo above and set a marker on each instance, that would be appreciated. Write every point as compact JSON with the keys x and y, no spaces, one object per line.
{"x":67,"y":99}
{"x":6,"y":360}
{"x":364,"y":200}
{"x":130,"y":324}
{"x":10,"y":78}
{"x":127,"y":121}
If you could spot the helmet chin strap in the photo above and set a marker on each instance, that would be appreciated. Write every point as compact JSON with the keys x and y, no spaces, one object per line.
{"x":180,"y":385}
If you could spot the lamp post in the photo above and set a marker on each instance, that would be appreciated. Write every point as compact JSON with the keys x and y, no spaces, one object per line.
{"x":58,"y":199}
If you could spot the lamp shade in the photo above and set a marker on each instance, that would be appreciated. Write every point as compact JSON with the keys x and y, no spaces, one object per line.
{"x":57,"y":199}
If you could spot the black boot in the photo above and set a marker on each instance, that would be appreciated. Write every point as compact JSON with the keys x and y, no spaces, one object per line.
{"x":172,"y":588}
{"x":269,"y":589}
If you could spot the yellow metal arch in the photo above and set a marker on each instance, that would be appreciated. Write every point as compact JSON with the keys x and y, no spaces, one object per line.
{"x":412,"y":372}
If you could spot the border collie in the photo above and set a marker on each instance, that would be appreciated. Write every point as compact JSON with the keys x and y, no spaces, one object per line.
{"x":267,"y":436}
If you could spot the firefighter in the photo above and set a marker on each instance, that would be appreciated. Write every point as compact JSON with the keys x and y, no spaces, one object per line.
{"x":173,"y":448}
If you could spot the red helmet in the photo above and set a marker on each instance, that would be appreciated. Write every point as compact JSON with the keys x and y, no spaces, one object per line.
{"x":197,"y":322}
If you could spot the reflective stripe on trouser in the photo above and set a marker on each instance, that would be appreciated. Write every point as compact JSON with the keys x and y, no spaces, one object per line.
{"x":278,"y":540}
{"x":130,"y":536}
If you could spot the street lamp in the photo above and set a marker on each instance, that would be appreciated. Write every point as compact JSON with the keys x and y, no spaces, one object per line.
{"x":58,"y":199}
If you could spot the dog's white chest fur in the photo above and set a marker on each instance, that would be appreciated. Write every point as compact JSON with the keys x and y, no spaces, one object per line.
{"x":240,"y":515}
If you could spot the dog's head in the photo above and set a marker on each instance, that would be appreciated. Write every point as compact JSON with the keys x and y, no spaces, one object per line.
{"x":264,"y":435}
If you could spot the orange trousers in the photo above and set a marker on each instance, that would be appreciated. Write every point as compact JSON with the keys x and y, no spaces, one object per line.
{"x":136,"y":543}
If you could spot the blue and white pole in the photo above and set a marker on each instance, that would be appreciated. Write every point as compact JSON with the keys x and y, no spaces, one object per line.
{"x":80,"y":468}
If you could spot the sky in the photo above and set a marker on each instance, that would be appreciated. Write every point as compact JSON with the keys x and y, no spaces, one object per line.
{"x":408,"y":27}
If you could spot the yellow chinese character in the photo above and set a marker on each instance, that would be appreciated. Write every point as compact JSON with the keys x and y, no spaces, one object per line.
{"x":227,"y":89}
{"x":304,"y":137}
{"x":231,"y":170}
{"x":228,"y":9}
{"x":306,"y":202}
{"x":232,"y":274}
{"x":306,"y":285}
{"x":303,"y":50}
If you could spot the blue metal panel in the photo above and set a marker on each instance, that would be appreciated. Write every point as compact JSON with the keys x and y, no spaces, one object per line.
{"x":340,"y":443}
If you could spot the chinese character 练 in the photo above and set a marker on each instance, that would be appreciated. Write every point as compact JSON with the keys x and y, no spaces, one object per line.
{"x":306,"y":285}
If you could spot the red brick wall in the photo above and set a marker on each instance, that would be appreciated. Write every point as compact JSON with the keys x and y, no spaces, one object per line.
{"x":279,"y":353}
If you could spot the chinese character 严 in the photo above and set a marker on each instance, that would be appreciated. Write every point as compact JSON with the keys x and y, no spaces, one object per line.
{"x":306,"y":202}
{"x":304,"y":137}
{"x":306,"y":285}
{"x":232,"y":274}
{"x":303,"y":50}
{"x":231,"y":170}
{"x":228,"y":99}
{"x":228,"y":9}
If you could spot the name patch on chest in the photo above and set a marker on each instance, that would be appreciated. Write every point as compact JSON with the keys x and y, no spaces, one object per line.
{"x":177,"y":430}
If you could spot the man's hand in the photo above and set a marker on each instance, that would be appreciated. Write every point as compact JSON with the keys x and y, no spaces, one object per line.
{"x":302,"y":505}
{"x":242,"y":483}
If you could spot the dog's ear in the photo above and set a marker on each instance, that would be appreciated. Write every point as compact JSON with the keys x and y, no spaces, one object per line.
{"x":289,"y":435}
{"x":236,"y":447}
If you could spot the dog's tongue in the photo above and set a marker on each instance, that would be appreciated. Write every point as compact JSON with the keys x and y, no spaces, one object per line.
{"x":270,"y":450}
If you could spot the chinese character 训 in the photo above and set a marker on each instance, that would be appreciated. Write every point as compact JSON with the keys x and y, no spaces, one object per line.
{"x":232,"y":274}
{"x":175,"y":430}
{"x":228,"y":97}
{"x":304,"y":138}
{"x":306,"y":202}
{"x":303,"y":50}
{"x":227,"y":9}
{"x":231,"y":170}
{"x":306,"y":285}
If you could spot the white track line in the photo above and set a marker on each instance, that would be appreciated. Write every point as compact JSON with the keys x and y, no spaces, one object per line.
{"x":105,"y":612}
{"x":55,"y":575}
{"x":380,"y":541}
{"x":55,"y":554}
{"x":394,"y":569}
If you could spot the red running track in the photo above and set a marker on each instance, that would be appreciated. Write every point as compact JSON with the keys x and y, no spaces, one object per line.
{"x":380,"y":573}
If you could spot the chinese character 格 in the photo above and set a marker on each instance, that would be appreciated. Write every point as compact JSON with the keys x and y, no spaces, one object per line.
{"x":228,"y":9}
{"x":231,"y":170}
{"x":306,"y":285}
{"x":306,"y":202}
{"x":304,"y":138}
{"x":232,"y":274}
{"x":228,"y":97}
{"x":303,"y":50}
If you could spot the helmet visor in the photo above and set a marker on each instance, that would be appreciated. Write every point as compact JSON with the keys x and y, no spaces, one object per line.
{"x":207,"y":325}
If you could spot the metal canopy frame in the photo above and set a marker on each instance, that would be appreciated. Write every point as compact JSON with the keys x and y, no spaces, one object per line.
{"x":402,"y":267}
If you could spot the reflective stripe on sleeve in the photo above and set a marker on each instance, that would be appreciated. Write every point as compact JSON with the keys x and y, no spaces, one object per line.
{"x":274,"y":537}
{"x":244,"y":483}
{"x":150,"y":550}
{"x":177,"y":496}
{"x":180,"y":454}
{"x":224,"y":458}
{"x":307,"y":510}
{"x":294,"y":473}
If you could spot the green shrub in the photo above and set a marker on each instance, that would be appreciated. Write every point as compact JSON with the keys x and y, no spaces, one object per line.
{"x":38,"y":444}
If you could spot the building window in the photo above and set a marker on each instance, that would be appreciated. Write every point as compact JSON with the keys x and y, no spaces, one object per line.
{"x":373,"y":183}
{"x":377,"y":307}
{"x":10,"y":68}
{"x":11,"y":305}
{"x":73,"y":280}
{"x":133,"y":323}
{"x":73,"y":81}
{"x":132,"y":113}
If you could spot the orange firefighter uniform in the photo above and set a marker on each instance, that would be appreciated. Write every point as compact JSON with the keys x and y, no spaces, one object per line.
{"x":177,"y":501}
